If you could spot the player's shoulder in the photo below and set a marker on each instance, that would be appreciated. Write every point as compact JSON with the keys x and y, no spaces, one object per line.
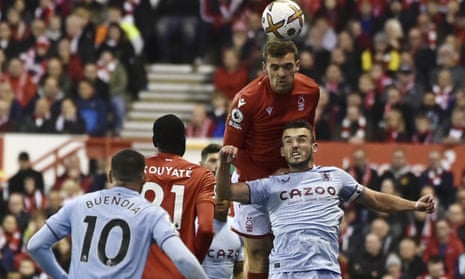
{"x":327,"y":169}
{"x":305,"y":84}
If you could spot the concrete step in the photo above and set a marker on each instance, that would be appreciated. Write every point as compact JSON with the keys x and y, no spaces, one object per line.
{"x":151,"y":116}
{"x":180,"y":87}
{"x":174,"y":96}
{"x":171,"y":77}
{"x":180,"y":69}
{"x":162,"y":106}
{"x":136,"y":134}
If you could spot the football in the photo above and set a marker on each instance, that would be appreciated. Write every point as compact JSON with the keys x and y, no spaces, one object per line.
{"x":283,"y":19}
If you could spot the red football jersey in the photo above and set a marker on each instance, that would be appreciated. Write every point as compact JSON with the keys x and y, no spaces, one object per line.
{"x":178,"y":186}
{"x":257,"y":118}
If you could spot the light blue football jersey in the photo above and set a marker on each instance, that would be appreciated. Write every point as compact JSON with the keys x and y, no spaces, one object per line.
{"x":305,"y":213}
{"x":111,"y":232}
{"x":224,"y":251}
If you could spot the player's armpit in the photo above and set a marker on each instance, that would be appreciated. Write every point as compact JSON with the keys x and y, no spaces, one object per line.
{"x":204,"y":236}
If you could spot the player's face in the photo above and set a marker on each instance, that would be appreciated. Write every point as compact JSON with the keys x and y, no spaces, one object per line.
{"x":281,"y":72}
{"x":221,"y":209}
{"x":297,"y":148}
{"x":211,"y":162}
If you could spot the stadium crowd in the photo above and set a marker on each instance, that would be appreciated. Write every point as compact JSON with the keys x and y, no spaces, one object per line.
{"x":389,"y":71}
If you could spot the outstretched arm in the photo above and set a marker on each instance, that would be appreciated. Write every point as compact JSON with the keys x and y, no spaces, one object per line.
{"x":39,"y":247}
{"x":183,"y":258}
{"x":224,"y":189}
{"x":391,"y":203}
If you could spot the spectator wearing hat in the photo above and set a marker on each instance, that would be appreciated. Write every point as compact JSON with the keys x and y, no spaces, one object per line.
{"x":410,"y":89}
{"x":15,"y":183}
{"x":35,"y":59}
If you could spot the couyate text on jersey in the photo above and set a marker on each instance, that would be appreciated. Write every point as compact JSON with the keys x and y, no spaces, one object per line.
{"x":168,"y":171}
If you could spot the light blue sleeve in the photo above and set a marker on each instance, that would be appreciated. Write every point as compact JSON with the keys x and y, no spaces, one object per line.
{"x":40,"y":249}
{"x":162,"y":227}
{"x":259,"y":190}
{"x":351,"y":189}
{"x":60,"y":222}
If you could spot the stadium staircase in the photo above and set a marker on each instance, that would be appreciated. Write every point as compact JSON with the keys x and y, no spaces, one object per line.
{"x":171,"y":89}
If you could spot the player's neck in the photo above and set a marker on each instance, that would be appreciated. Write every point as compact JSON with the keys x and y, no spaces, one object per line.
{"x":301,"y":169}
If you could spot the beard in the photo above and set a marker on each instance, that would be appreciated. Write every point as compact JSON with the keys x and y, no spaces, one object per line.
{"x":302,"y":165}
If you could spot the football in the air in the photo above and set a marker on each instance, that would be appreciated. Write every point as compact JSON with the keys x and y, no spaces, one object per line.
{"x":283,"y":19}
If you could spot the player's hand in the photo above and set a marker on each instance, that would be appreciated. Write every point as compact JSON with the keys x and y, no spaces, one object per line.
{"x":228,"y":153}
{"x":426,"y":203}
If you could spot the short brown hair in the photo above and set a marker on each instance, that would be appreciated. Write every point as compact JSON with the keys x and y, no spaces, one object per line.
{"x":279,"y":48}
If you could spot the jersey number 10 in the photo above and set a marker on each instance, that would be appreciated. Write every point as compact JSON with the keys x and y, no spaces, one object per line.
{"x":159,"y":195}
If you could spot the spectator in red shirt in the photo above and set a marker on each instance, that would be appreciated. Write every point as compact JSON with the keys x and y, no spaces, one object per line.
{"x":230,"y":77}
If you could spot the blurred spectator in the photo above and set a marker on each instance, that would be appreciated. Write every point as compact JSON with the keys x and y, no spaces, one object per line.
{"x":52,"y":92}
{"x":422,"y":133}
{"x":55,"y":70}
{"x":244,"y":46}
{"x":453,"y":132}
{"x":7,"y":256}
{"x":21,"y":82}
{"x":369,"y":261}
{"x":88,"y":27}
{"x":10,"y":47}
{"x":34,"y":199}
{"x":35,"y":58}
{"x":436,"y":269}
{"x":393,"y":128}
{"x":307,"y":65}
{"x":20,"y":30}
{"x":440,"y":178}
{"x":70,"y":189}
{"x":12,"y":233}
{"x":69,"y":121}
{"x":6,"y":123}
{"x":230,"y":77}
{"x":28,"y":269}
{"x":412,"y":264}
{"x":38,"y":28}
{"x":411,"y":90}
{"x":433,"y":111}
{"x":393,"y":266}
{"x":447,"y":59}
{"x":423,"y":55}
{"x":355,"y":128}
{"x":101,"y":88}
{"x":176,"y":30}
{"x":45,"y":10}
{"x":446,"y":245}
{"x":218,"y":113}
{"x":72,"y":172}
{"x":382,"y":53}
{"x":362,"y":171}
{"x":92,"y":109}
{"x":16,"y":208}
{"x":62,"y":252}
{"x":405,"y":180}
{"x":394,"y":101}
{"x":456,"y":218}
{"x":54,"y":202}
{"x":380,"y":77}
{"x":200,"y":125}
{"x":25,"y":169}
{"x":40,"y":121}
{"x":72,"y":63}
{"x":37,"y":220}
{"x":81,"y":45}
{"x":112,"y":72}
{"x":383,"y":230}
{"x":117,"y":42}
{"x":54,"y":30}
{"x":336,"y":86}
{"x":325,"y":117}
{"x":444,"y":90}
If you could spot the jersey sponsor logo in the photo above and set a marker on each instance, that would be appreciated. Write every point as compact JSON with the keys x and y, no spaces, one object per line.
{"x":269,"y":110}
{"x":325,"y":176}
{"x":230,"y":254}
{"x":301,"y":103}
{"x":307,"y":192}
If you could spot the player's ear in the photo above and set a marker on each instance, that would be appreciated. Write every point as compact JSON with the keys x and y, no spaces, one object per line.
{"x":314,"y":147}
{"x":297,"y":65}
{"x":264,"y":66}
{"x":281,"y":151}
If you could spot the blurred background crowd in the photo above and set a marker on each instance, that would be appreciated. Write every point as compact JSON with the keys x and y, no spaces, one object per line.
{"x":389,"y":71}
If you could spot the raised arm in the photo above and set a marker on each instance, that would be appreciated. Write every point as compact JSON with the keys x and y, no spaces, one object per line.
{"x":391,"y":203}
{"x":224,"y":189}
